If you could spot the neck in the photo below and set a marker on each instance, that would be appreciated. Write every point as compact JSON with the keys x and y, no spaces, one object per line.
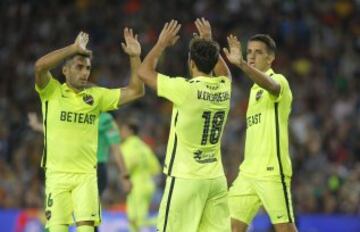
{"x":265,"y":69}
{"x":76,"y":90}
{"x":197,"y":73}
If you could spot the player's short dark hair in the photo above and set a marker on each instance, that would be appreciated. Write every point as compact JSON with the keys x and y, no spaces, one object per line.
{"x":204,"y":53}
{"x":267,"y":40}
{"x":70,"y":58}
{"x":133,"y":127}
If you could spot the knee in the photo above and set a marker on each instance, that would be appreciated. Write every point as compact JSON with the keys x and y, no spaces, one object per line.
{"x":285,"y":227}
{"x":238,"y":226}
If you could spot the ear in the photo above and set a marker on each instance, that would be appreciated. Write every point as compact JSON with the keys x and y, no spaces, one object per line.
{"x":65,"y":70}
{"x":270,"y":58}
{"x":192,"y":64}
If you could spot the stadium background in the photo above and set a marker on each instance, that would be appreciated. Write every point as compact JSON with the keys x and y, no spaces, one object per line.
{"x":318,"y":51}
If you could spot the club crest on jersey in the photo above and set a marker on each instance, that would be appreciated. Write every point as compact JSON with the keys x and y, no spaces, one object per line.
{"x":259,"y":94}
{"x":88,"y":99}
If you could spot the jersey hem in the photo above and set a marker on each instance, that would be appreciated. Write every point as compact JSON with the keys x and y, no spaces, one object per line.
{"x":192,"y":177}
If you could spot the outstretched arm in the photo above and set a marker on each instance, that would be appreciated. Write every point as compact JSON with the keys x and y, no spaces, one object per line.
{"x":135,"y":88}
{"x":168,"y":37}
{"x":204,"y":29}
{"x":54,"y":58}
{"x":234,"y":55}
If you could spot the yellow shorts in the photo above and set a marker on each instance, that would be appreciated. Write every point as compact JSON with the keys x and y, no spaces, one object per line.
{"x":194,"y":205}
{"x":247,"y":195}
{"x":71,"y":195}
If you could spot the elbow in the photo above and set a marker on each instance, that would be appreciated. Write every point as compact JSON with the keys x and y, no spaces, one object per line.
{"x":141,"y":74}
{"x":145,"y":74}
{"x":39,"y":66}
{"x":275,"y":89}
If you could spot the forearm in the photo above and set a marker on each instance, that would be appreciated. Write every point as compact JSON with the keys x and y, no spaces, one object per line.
{"x":221,"y":68}
{"x":260,"y":78}
{"x":151,"y":60}
{"x":119,"y":159}
{"x":155,"y":55}
{"x":54,"y":58}
{"x":147,"y":71}
{"x":135,"y":83}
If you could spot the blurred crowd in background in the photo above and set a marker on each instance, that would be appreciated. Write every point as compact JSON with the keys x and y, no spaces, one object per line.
{"x":318,"y":51}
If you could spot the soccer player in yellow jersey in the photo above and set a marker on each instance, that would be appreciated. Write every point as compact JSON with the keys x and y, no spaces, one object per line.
{"x":143,"y":166}
{"x":108,"y":142}
{"x":265,"y":174}
{"x":195,"y":195}
{"x":70,"y":117}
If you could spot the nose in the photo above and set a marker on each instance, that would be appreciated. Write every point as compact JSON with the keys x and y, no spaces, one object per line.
{"x":250,"y":56}
{"x":85,"y":73}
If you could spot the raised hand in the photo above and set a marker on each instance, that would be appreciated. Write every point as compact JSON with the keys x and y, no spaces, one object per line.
{"x":81,"y":42}
{"x":168,"y":35}
{"x":131,"y":46}
{"x":204,"y":28}
{"x":234,"y":53}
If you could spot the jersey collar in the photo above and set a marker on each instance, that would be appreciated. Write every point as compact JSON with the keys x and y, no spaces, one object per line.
{"x":70,"y":90}
{"x":208,"y":79}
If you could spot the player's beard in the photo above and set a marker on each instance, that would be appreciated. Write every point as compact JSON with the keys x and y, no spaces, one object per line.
{"x":77,"y":84}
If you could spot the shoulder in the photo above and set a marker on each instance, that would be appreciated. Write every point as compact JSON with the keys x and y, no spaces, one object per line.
{"x":224,"y":80}
{"x":54,"y":80}
{"x":280,"y":78}
{"x":174,"y":83}
{"x":171,"y":78}
{"x":285,"y":90}
{"x":53,"y":83}
{"x":277,"y":76}
{"x":98,"y":91}
{"x":91,"y":87}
